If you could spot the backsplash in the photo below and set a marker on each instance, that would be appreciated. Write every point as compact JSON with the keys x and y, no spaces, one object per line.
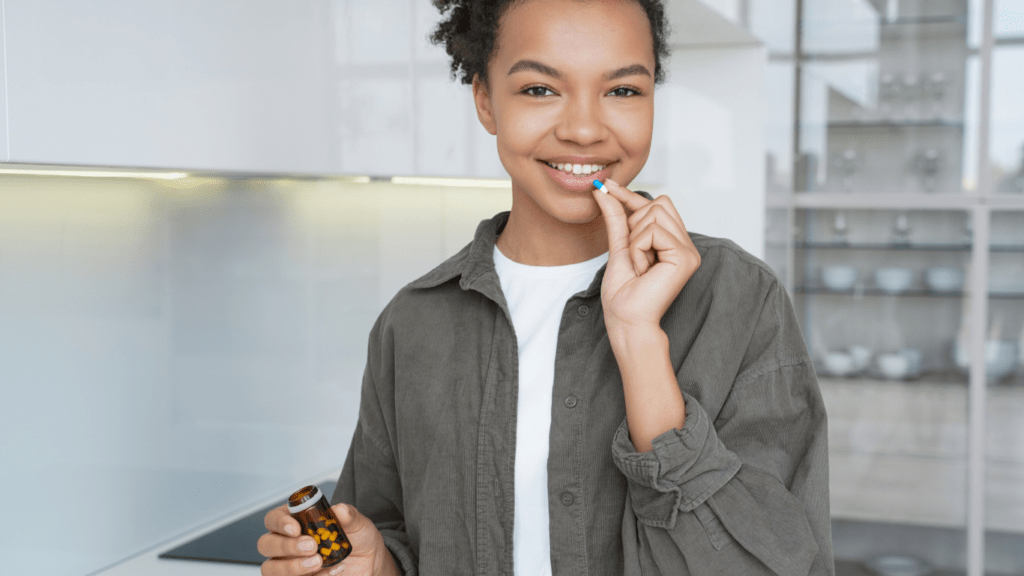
{"x":175,"y":350}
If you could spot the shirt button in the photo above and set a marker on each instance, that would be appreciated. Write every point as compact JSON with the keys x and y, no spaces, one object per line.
{"x":567,"y":499}
{"x":570,"y":402}
{"x":583,"y":310}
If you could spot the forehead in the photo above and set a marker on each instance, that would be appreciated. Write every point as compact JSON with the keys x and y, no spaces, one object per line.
{"x":603,"y":33}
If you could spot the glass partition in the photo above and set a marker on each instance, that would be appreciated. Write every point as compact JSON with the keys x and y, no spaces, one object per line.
{"x":884,"y":93}
{"x":875,"y":195}
{"x":1006,"y":142}
{"x":881,"y":299}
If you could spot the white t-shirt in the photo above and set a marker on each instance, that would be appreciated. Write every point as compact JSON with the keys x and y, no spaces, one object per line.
{"x":536,"y":297}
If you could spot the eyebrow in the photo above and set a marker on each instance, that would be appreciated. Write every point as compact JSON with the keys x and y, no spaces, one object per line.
{"x":633,"y":70}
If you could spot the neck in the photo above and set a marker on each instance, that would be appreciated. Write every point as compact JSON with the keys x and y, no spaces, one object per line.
{"x":539,"y":240}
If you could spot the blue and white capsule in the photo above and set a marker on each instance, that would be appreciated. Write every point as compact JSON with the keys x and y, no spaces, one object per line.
{"x":600,"y":186}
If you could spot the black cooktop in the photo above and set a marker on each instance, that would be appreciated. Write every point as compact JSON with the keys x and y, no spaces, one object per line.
{"x":236,"y":542}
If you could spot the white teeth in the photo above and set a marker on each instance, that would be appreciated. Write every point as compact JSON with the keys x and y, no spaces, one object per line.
{"x":577,"y":168}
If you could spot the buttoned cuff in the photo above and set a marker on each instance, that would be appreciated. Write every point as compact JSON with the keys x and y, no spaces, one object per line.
{"x":684,"y":468}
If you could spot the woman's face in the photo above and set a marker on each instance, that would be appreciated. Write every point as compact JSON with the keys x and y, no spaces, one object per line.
{"x":571,"y":83}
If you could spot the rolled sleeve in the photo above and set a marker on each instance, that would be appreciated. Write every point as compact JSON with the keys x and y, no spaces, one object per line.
{"x":684,"y":468}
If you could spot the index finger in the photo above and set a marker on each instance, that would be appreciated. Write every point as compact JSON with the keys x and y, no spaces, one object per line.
{"x":614,"y":220}
{"x":280,"y":521}
{"x":631,"y":200}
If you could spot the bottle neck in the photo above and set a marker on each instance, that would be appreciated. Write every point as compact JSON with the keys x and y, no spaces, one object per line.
{"x":299,"y":502}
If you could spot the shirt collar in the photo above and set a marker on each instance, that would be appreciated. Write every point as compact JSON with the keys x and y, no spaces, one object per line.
{"x":474,"y":264}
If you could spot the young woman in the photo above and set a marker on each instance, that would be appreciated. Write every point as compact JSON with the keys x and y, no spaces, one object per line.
{"x":585,"y":388}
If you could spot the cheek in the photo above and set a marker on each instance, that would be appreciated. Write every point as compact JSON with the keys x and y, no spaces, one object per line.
{"x":635,"y":130}
{"x":521,"y":129}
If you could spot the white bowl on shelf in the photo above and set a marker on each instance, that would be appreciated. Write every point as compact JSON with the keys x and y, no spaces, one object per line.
{"x":894,"y":280}
{"x":894,"y":365}
{"x":861,"y":357}
{"x":838,"y":363}
{"x":839,"y":278}
{"x":899,"y":565}
{"x":944,"y":279}
{"x":1001,"y":358}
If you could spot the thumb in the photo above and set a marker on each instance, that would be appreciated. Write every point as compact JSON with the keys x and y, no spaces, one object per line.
{"x":614,"y":221}
{"x":360,"y":530}
{"x":351,"y":519}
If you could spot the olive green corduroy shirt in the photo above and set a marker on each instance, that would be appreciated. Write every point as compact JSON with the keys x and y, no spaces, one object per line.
{"x":741,"y":489}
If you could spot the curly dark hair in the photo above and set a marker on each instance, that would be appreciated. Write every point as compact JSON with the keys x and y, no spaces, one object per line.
{"x":470,"y":31}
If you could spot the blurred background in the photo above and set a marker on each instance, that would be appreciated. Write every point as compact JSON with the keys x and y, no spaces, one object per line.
{"x":205,"y":205}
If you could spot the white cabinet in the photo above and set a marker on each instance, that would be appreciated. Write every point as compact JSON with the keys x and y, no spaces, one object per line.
{"x":3,"y":91}
{"x":220,"y":85}
{"x":337,"y":86}
{"x":708,"y":148}
{"x":320,"y":86}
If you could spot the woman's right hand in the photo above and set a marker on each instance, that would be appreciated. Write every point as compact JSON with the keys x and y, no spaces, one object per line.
{"x":291,"y":553}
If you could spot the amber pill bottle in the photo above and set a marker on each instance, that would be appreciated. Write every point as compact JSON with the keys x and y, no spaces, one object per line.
{"x":309,"y":506}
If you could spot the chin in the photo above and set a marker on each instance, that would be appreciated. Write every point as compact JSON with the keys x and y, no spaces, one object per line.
{"x":582,"y":211}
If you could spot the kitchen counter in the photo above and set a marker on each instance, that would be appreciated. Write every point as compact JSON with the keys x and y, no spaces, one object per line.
{"x":148,"y":561}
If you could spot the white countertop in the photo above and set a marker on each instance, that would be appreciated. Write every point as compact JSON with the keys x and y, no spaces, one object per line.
{"x":149,"y":563}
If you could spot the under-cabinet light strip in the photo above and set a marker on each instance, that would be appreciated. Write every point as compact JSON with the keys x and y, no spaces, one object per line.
{"x":407,"y":180}
{"x":93,"y":173}
{"x":464,"y":182}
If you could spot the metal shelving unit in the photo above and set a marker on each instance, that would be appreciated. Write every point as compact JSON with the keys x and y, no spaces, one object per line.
{"x":930,"y":465}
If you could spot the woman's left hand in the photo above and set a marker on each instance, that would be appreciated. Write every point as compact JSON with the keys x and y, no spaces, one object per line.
{"x":650,"y":258}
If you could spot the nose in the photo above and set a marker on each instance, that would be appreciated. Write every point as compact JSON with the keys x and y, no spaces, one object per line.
{"x":581,"y":122}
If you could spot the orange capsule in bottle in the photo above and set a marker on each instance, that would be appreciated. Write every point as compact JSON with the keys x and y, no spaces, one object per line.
{"x":309,"y":506}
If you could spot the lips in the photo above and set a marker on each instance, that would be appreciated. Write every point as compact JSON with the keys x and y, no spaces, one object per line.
{"x":576,"y":182}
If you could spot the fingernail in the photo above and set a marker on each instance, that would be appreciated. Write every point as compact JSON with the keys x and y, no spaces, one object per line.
{"x":289,"y":530}
{"x":311,"y":561}
{"x":307,"y":545}
{"x":336,"y":570}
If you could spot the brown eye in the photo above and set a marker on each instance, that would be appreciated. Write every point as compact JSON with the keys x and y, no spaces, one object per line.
{"x":624,"y":92}
{"x":538,"y":91}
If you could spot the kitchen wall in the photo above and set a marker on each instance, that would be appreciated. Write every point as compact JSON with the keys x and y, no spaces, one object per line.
{"x":174,"y":350}
{"x":171,"y":351}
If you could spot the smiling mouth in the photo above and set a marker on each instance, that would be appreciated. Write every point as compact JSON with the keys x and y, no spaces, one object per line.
{"x":578,"y":169}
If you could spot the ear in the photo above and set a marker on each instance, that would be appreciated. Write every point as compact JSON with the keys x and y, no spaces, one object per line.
{"x":484,"y":112}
